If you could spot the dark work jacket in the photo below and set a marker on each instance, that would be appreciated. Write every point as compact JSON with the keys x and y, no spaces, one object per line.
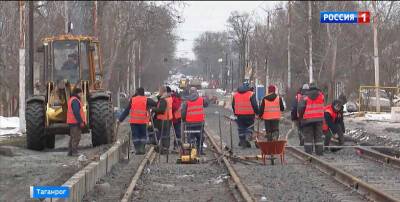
{"x":76,"y":108}
{"x":150,"y":103}
{"x":271,"y":97}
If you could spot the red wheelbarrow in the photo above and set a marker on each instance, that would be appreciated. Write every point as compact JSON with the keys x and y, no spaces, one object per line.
{"x":270,"y":148}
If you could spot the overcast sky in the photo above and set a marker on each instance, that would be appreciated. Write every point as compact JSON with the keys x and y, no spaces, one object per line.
{"x":201,"y":16}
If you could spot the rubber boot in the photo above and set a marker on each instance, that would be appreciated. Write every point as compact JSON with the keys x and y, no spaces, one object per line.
{"x":141,"y":149}
{"x":301,"y":138}
{"x":275,"y":135}
{"x":165,"y":143}
{"x":242,"y":142}
{"x":326,"y":142}
{"x":137,"y":147}
{"x":248,"y":145}
{"x":319,"y":150}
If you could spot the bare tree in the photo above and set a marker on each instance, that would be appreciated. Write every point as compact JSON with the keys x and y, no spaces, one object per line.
{"x":241,"y":24}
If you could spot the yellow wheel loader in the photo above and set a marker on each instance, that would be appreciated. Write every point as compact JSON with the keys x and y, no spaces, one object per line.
{"x":69,"y":61}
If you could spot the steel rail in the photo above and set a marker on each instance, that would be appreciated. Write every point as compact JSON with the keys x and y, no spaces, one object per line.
{"x":377,"y":156}
{"x":148,"y":159}
{"x":343,"y":177}
{"x":346,"y":178}
{"x":244,"y":192}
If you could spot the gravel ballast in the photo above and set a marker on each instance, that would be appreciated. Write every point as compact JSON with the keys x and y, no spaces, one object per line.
{"x":294,"y":181}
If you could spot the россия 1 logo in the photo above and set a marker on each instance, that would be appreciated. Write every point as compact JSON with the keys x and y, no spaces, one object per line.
{"x":344,"y":17}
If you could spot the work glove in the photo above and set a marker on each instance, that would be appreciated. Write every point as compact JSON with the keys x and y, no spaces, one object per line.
{"x":82,"y":125}
{"x":118,"y":122}
{"x":335,"y":135}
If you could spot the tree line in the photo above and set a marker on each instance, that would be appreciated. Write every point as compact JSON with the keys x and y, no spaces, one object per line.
{"x":341,"y":53}
{"x":137,"y":38}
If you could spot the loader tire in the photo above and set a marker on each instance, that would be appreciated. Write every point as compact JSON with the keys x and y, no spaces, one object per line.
{"x":101,"y":121}
{"x":35,"y":126}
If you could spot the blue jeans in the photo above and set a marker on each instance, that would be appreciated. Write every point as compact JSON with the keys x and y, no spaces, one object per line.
{"x":139,"y":135}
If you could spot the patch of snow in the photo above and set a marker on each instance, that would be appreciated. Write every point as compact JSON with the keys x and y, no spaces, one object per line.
{"x":9,"y":126}
{"x":378,"y":117}
{"x":204,"y":84}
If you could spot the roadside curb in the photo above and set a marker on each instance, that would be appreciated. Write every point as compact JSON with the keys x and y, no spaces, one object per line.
{"x":84,"y":180}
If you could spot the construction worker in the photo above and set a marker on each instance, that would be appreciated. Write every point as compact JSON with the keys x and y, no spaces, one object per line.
{"x":294,"y":114}
{"x":244,"y":106}
{"x":311,"y":115}
{"x":76,"y":120}
{"x":139,"y":117}
{"x":333,"y":125}
{"x":164,"y":118}
{"x":193,"y":116}
{"x":270,"y":111}
{"x":177,"y":115}
{"x":71,"y":63}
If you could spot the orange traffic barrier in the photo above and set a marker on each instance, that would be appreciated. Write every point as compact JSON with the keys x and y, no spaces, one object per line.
{"x":270,"y":148}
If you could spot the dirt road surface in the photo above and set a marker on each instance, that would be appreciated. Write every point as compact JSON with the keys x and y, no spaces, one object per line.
{"x":25,"y":168}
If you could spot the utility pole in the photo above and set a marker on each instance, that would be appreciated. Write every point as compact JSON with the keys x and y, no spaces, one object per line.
{"x":266,"y":58}
{"x":376,"y":56}
{"x":288,"y":48}
{"x":95,"y":18}
{"x":310,"y":42}
{"x":66,"y":20}
{"x":140,"y":63}
{"x":266,"y":73}
{"x":31,"y":49}
{"x":22,"y":23}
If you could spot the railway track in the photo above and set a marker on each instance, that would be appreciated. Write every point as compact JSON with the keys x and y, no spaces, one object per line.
{"x":371,"y":173}
{"x":357,"y":168}
{"x":150,"y":178}
{"x":269,"y":179}
{"x":366,"y":174}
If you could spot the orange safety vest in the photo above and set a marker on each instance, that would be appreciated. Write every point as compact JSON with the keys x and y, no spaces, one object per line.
{"x":167,"y":115}
{"x":195,"y":111}
{"x":243,"y":104}
{"x":70,"y":114}
{"x":272,"y":110}
{"x":178,"y":113}
{"x":138,"y":110}
{"x":333,"y":114}
{"x":314,"y":109}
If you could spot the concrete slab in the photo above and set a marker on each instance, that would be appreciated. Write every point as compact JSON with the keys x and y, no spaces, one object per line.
{"x":90,"y":176}
{"x":395,"y":114}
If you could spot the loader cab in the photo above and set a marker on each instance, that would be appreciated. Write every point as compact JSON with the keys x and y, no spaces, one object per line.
{"x":71,"y":58}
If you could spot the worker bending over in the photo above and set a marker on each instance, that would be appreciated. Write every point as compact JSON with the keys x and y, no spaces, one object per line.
{"x":76,"y":121}
{"x":244,"y":106}
{"x":311,"y":115}
{"x":333,"y":125}
{"x":270,"y":111}
{"x":138,"y":108}
{"x":193,"y":117}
